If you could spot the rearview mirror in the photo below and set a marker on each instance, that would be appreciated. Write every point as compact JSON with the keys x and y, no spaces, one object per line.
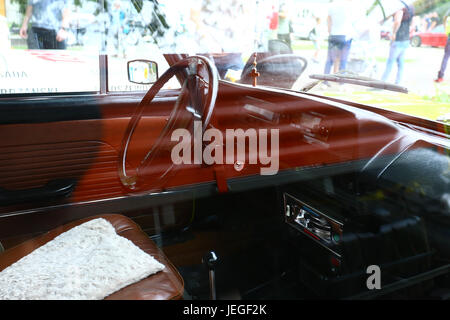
{"x":142,"y":71}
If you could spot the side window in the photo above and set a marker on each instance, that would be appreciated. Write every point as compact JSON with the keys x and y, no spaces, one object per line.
{"x":134,"y":31}
{"x":43,"y":48}
{"x":53,"y":46}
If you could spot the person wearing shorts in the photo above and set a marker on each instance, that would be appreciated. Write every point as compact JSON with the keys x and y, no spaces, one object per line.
{"x":49,"y":23}
{"x":341,"y":30}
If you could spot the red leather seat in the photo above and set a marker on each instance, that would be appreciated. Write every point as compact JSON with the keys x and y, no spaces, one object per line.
{"x":164,"y":285}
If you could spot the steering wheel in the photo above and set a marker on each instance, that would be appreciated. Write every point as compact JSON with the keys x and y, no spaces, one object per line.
{"x":195,"y":102}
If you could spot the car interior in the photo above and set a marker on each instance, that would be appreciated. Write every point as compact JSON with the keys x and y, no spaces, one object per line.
{"x":356,"y":186}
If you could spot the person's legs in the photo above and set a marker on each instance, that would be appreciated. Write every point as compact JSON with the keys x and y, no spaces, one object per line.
{"x":390,"y":61}
{"x":32,"y":40}
{"x":46,"y":39}
{"x":286,"y":38}
{"x":402,"y":46}
{"x":330,"y":59}
{"x":39,"y":35}
{"x":316,"y":50}
{"x":344,"y":55}
{"x":444,"y":60}
{"x":337,"y":61}
{"x":50,"y":40}
{"x":334,"y":45}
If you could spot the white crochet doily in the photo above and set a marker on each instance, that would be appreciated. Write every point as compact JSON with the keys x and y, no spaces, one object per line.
{"x":87,"y":262}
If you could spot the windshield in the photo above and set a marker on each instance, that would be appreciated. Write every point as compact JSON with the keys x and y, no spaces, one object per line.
{"x":404,"y":43}
{"x":415,"y":60}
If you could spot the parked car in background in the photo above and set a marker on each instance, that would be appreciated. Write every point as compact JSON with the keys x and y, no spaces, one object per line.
{"x":435,"y":38}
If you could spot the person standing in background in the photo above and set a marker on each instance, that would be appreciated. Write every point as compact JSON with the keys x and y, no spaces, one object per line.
{"x":118,"y":28}
{"x":434,"y":21}
{"x":316,"y":38}
{"x":441,"y":72}
{"x":399,"y":41}
{"x":49,"y":24}
{"x":284,"y":32}
{"x":341,"y":31}
{"x":426,"y":21}
{"x":273,"y":24}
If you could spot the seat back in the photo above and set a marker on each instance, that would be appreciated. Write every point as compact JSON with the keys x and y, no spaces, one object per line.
{"x":276,"y":70}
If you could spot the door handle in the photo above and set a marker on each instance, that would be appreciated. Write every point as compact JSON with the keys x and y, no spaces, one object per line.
{"x":53,"y":190}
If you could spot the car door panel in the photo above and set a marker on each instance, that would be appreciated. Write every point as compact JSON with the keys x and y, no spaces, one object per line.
{"x":34,"y":154}
{"x":47,"y":144}
{"x":75,"y":139}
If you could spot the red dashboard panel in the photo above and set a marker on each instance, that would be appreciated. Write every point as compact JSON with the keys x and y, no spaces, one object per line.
{"x":312,"y":132}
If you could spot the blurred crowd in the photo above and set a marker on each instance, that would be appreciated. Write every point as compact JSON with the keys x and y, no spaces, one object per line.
{"x":233,"y":26}
{"x":346,"y":24}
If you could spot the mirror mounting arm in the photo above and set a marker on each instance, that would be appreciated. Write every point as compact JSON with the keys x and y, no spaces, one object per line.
{"x":255,"y":74}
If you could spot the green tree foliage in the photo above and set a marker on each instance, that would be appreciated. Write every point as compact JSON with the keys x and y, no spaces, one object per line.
{"x":423,"y":6}
{"x":22,"y":5}
{"x":420,"y":6}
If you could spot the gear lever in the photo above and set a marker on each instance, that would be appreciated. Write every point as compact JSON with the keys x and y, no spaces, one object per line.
{"x":210,"y":260}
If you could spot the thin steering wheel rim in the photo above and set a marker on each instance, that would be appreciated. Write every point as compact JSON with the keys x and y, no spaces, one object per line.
{"x":132,"y":182}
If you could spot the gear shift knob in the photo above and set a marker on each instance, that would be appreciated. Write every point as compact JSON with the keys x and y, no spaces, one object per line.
{"x":210,"y":260}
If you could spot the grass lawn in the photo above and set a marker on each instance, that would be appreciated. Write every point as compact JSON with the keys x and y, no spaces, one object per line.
{"x":384,"y":59}
{"x":423,"y":107}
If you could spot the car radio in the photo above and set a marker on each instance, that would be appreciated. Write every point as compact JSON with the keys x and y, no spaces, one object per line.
{"x":318,"y":244}
{"x":313,"y":223}
{"x":333,"y":263}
